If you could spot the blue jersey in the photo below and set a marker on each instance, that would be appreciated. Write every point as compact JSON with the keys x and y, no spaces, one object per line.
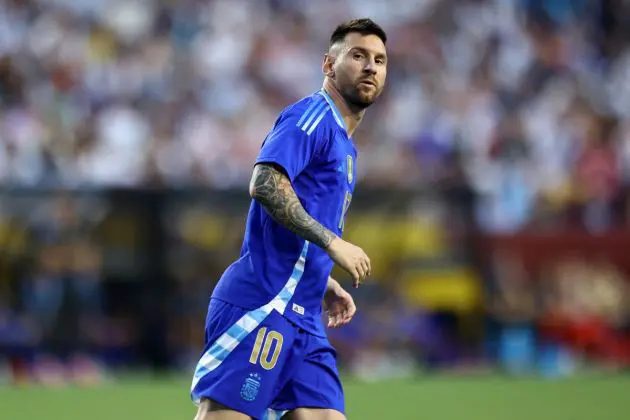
{"x":276,"y":266}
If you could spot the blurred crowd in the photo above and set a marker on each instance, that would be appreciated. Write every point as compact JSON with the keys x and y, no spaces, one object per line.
{"x":72,"y":306}
{"x":51,"y":289}
{"x":529,"y":99}
{"x":568,"y":312}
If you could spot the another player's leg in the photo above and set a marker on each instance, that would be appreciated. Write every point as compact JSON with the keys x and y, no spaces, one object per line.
{"x":210,"y":410}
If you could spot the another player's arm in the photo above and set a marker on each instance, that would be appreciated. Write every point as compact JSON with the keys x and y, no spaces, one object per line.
{"x":273,"y":190}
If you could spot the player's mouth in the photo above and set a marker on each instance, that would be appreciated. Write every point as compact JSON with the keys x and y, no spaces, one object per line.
{"x":367,"y":83}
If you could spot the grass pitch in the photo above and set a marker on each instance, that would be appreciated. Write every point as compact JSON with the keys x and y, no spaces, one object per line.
{"x":439,"y":398}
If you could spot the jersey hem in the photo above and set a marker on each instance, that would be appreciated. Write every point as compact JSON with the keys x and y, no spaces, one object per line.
{"x":289,"y":318}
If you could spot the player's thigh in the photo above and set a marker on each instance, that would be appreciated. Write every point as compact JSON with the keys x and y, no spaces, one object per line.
{"x":315,"y":386}
{"x":313,"y":414}
{"x":243,"y":359}
{"x":211,"y":410}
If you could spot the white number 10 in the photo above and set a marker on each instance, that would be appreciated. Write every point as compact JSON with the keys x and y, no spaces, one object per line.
{"x":268,"y":360}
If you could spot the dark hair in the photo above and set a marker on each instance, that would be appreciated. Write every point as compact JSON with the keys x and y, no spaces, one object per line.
{"x":363,"y":26}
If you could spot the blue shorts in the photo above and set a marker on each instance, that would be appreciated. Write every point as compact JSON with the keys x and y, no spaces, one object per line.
{"x":260,"y":364}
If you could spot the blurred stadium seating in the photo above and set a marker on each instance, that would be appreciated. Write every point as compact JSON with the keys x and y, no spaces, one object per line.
{"x":494,"y":172}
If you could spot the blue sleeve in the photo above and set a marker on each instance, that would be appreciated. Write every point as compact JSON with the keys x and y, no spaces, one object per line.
{"x":291,"y":147}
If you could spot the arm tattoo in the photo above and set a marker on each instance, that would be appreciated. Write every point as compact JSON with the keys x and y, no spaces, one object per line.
{"x":273,"y":190}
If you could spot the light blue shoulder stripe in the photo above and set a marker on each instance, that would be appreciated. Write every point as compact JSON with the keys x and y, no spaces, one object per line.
{"x":317,"y":121}
{"x":310,"y":109}
{"x":322,"y":108}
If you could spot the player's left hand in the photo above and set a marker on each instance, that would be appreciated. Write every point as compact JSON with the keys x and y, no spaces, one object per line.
{"x":339,"y":306}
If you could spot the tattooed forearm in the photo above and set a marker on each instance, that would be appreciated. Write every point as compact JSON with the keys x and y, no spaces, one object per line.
{"x":273,"y":190}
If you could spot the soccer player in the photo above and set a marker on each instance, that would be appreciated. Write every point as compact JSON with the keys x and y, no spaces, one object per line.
{"x":266,"y":354}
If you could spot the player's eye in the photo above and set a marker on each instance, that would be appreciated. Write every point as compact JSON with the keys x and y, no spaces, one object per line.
{"x":380,"y":61}
{"x":358,"y":56}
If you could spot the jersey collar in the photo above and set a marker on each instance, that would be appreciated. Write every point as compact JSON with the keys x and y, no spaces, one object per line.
{"x":335,"y":110}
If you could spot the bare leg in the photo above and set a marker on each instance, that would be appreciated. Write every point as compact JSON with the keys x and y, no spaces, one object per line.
{"x":210,"y":410}
{"x":314,"y":414}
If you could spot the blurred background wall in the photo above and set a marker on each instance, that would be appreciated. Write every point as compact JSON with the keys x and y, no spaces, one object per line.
{"x":493,"y":196}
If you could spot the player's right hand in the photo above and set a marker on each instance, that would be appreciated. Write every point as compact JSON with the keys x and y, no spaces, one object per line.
{"x":351,"y":258}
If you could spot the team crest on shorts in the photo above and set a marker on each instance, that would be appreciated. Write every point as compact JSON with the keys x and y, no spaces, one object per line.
{"x":350,"y":168}
{"x":250,"y":388}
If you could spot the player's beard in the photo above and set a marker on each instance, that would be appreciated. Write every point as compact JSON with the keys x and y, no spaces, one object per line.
{"x":357,"y":99}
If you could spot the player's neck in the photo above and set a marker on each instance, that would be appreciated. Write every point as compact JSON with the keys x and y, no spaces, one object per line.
{"x":352,"y":118}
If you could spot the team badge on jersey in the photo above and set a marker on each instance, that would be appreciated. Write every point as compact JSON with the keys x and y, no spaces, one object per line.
{"x":350,"y":169}
{"x":250,"y":388}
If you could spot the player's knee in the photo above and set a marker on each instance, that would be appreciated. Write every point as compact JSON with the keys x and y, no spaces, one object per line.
{"x":212,"y":410}
{"x":314,"y":414}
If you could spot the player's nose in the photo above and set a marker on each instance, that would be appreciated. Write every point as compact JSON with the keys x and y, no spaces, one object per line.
{"x":370,"y":67}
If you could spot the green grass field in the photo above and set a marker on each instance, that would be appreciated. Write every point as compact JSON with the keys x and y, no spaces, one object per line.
{"x":440,"y":398}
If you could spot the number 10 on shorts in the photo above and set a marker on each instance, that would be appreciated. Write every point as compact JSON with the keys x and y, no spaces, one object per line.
{"x":265,"y":342}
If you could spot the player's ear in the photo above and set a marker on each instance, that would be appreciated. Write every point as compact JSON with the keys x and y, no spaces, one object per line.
{"x":327,"y":66}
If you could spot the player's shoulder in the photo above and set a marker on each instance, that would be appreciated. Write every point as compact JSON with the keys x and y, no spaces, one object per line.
{"x":310,"y":114}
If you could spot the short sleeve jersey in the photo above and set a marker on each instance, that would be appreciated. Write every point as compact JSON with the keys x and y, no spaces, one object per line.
{"x":310,"y":142}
